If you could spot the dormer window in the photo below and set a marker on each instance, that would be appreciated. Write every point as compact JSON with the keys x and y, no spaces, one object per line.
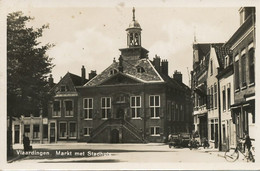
{"x":226,"y":61}
{"x":112,"y":72}
{"x":140,"y":69}
{"x":62,"y":88}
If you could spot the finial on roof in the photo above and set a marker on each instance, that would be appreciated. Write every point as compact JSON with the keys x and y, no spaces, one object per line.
{"x":133,"y":13}
{"x":195,"y":39}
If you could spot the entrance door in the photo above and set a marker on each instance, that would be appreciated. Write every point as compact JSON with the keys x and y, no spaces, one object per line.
{"x":216,"y":135}
{"x":16,"y":133}
{"x":120,"y":113}
{"x":114,"y":136}
{"x":52,"y":132}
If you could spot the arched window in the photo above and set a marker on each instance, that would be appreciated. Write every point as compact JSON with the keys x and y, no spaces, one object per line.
{"x":113,"y":71}
{"x":140,"y":69}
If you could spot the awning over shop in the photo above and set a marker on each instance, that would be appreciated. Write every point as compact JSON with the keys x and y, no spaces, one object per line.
{"x":202,"y":115}
{"x":243,"y":104}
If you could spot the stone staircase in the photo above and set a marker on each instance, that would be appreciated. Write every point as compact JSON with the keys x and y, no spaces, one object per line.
{"x":120,"y":123}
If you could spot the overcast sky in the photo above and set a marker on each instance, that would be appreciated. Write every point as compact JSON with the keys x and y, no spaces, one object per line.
{"x":91,"y":36}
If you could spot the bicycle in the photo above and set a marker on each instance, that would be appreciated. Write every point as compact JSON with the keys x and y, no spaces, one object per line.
{"x":232,"y":154}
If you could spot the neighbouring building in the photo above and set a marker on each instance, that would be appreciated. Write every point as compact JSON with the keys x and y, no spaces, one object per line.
{"x":199,"y":88}
{"x":225,"y":77}
{"x":35,"y":128}
{"x":217,"y":54}
{"x":63,"y":108}
{"x":134,"y":99}
{"x":242,"y":44}
{"x":226,"y":73}
{"x":207,"y":63}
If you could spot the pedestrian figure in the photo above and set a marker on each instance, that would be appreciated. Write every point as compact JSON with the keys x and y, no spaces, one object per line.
{"x":169,"y":137}
{"x":26,"y":143}
{"x":247,"y":143}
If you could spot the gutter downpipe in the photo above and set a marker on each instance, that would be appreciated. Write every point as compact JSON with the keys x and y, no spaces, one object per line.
{"x":219,"y":116}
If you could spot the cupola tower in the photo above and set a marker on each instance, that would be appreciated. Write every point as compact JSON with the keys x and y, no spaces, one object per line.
{"x":134,"y":33}
{"x":134,"y":50}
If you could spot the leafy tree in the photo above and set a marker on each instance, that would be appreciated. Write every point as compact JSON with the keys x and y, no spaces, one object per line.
{"x":27,"y":67}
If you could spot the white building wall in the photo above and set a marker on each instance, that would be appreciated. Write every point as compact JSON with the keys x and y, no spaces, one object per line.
{"x":213,"y":112}
{"x":226,"y":120}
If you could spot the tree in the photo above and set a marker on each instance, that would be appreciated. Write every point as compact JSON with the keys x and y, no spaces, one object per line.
{"x":27,"y":67}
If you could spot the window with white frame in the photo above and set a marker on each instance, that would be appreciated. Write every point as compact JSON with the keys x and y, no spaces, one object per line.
{"x":177,"y":112}
{"x":68,"y":104}
{"x":155,"y":106}
{"x":181,"y":113}
{"x":236,"y":71}
{"x":224,"y":98}
{"x":56,"y":108}
{"x":173,"y":111}
{"x":215,"y":96}
{"x":106,"y":107}
{"x":228,"y":96}
{"x":212,"y":125}
{"x":251,"y":63}
{"x":243,"y":70}
{"x":87,"y":131}
{"x":211,"y":100}
{"x":63,"y":130}
{"x":72,"y":130}
{"x":36,"y":131}
{"x":136,"y":106}
{"x":27,"y":130}
{"x":155,"y":131}
{"x":88,"y":108}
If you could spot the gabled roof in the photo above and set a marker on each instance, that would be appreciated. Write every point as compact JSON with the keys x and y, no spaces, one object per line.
{"x":150,"y":75}
{"x":221,"y":52}
{"x":203,"y":49}
{"x":75,"y":79}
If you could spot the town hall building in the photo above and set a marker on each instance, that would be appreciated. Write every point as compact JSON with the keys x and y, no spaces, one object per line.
{"x":133,"y":100}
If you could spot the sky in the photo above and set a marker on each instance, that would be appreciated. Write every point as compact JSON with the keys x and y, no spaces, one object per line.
{"x":92,"y":35}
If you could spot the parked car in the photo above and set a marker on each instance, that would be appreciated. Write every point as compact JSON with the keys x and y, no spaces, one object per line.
{"x":179,"y":140}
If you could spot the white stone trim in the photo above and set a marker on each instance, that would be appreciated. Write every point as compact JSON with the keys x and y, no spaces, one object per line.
{"x":251,"y":45}
{"x":236,"y":58}
{"x":243,"y":52}
{"x":155,"y":71}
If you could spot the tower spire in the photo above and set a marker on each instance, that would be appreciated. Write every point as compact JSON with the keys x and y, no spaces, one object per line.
{"x":195,"y":38}
{"x":133,"y":13}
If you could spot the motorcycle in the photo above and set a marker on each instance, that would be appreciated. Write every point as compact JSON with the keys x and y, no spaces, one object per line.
{"x":194,"y":144}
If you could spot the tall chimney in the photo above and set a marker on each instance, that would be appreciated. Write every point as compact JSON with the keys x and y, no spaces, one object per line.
{"x":92,"y":74}
{"x":177,"y":76}
{"x":157,"y":63}
{"x":164,"y":67}
{"x":83,"y":75}
{"x":50,"y":80}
